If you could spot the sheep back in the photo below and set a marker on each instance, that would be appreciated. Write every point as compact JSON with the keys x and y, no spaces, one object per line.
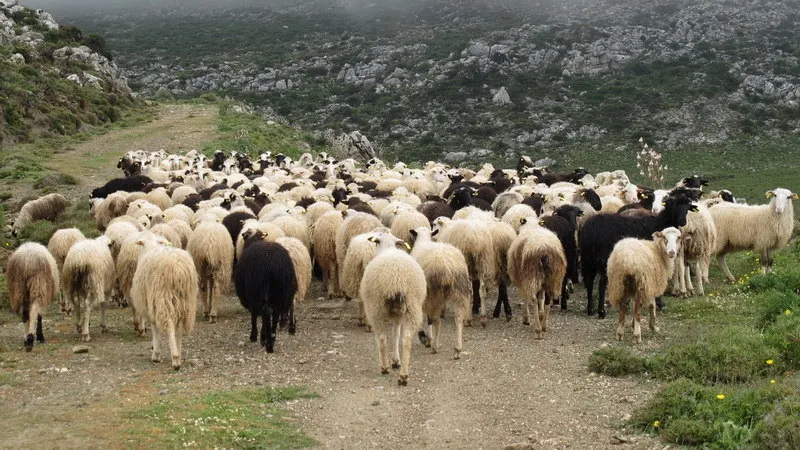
{"x":31,"y":276}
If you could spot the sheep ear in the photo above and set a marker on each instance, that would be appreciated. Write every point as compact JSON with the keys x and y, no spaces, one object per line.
{"x":140,"y":242}
{"x":795,"y":197}
{"x":658,"y":234}
{"x":770,"y":194}
{"x":413,"y":232}
{"x":374,"y":240}
{"x":693,"y":208}
{"x":434,"y":232}
{"x":523,"y":221}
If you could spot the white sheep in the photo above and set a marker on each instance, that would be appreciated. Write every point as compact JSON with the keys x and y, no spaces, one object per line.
{"x":111,"y":207}
{"x":393,"y":292}
{"x":537,"y":266}
{"x":212,"y":249}
{"x":165,"y":288}
{"x":447,"y":281}
{"x":359,"y":253}
{"x":354,"y":223}
{"x":760,"y":228}
{"x":32,"y":281}
{"x":89,"y":277}
{"x":323,"y":238}
{"x":639,"y":270}
{"x":698,"y":243}
{"x":58,"y":246}
{"x":45,"y":208}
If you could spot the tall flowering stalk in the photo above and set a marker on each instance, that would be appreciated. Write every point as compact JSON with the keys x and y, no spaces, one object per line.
{"x":648,"y":161}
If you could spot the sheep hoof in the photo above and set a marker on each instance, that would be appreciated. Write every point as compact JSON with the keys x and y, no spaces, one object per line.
{"x":495,"y":314}
{"x":384,"y":371}
{"x":638,"y":339}
{"x":434,"y":351}
{"x":457,"y":354}
{"x":402,"y":380}
{"x":655,"y":329}
{"x":508,"y":317}
{"x":29,"y":343}
{"x":212,"y":319}
{"x":619,"y":336}
{"x":292,"y":329}
{"x":40,"y":338}
{"x":270,"y":349}
{"x":86,"y":338}
{"x":155,"y":358}
{"x":423,"y":339}
{"x":368,"y":328}
{"x":176,"y":364}
{"x":526,"y":322}
{"x":539,"y":336}
{"x":395,"y":365}
{"x":103,"y":329}
{"x":468,"y":323}
{"x":484,"y":321}
{"x":601,"y":315}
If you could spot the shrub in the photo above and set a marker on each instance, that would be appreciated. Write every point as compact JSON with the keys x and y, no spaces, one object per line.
{"x":784,"y":335}
{"x":727,"y":355}
{"x":787,"y":279}
{"x":780,"y":428}
{"x":773,"y":303}
{"x":617,"y":362}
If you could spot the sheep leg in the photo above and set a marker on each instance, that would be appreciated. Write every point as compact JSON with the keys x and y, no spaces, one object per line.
{"x":292,"y":323}
{"x":724,"y":266}
{"x":253,"y":326}
{"x":476,"y":296}
{"x":484,"y":296}
{"x":688,"y":278}
{"x":699,"y":277}
{"x":361,"y":313}
{"x":435,"y":333}
{"x":156,"y":355}
{"x":27,"y":317}
{"x":460,"y":313}
{"x":502,"y":294}
{"x":174,"y":349}
{"x":706,"y":265}
{"x":637,"y":320}
{"x":545,"y":304}
{"x":402,"y":380}
{"x":103,"y":327}
{"x":425,"y":338}
{"x":537,"y":322}
{"x":526,"y":313}
{"x":87,"y":309}
{"x":213,"y":295}
{"x":588,"y":284}
{"x":396,"y":346}
{"x":766,"y":261}
{"x":601,"y":295}
{"x":266,"y":316}
{"x":564,"y":294}
{"x":623,"y":309}
{"x":383,"y":358}
{"x":652,"y":307}
{"x":39,"y":331}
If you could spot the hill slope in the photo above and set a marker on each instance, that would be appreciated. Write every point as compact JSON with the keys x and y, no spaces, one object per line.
{"x":481,"y":79}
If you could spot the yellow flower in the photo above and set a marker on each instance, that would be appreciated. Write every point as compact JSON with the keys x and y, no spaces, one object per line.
{"x":720,"y":396}
{"x":656,"y":424}
{"x":772,"y":381}
{"x":788,"y":312}
{"x":770,"y":362}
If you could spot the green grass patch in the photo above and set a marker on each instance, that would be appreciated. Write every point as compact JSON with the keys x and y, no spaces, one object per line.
{"x":252,"y":134}
{"x":617,"y":362}
{"x":238,"y":418}
{"x":689,"y":413}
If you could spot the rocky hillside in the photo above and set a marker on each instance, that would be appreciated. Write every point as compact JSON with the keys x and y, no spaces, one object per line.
{"x":481,"y":79}
{"x":54,"y":79}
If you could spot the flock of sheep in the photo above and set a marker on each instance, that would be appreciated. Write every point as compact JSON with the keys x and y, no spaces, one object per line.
{"x":405,"y":243}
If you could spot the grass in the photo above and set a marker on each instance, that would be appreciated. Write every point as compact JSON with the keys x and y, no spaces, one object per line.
{"x":252,"y":134}
{"x":239,"y":418}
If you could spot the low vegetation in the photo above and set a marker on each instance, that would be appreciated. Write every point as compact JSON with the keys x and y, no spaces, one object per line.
{"x":732,"y":376}
{"x":237,"y":418}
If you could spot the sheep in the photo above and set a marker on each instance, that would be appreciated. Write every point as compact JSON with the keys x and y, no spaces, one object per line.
{"x":639,"y":269}
{"x":266,"y":285}
{"x":180,"y":194}
{"x":474,"y":239}
{"x":517,"y":212}
{"x":301,"y":261}
{"x":504,"y":202}
{"x":760,"y":228}
{"x":131,"y":184}
{"x":167,"y":232}
{"x":234,"y":222}
{"x":563,"y":223}
{"x":698,"y":242}
{"x":32,"y":281}
{"x":323,"y":238}
{"x":113,"y":206}
{"x":359,"y":253}
{"x":165,"y":288}
{"x":58,"y":246}
{"x":89,"y":277}
{"x":537,"y":266}
{"x":159,"y":198}
{"x":407,"y":221}
{"x":354,"y":223}
{"x":266,"y":228}
{"x":117,"y":232}
{"x":447,"y":281}
{"x":600,"y":232}
{"x":183,"y":229}
{"x":125,"y":267}
{"x":393,"y":292}
{"x":293,"y":228}
{"x":434,"y":209}
{"x":48,"y":207}
{"x":211,"y":248}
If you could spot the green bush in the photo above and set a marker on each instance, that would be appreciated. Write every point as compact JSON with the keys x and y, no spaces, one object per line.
{"x":617,"y":362}
{"x":780,"y":428}
{"x":784,"y":335}
{"x":773,"y":303}
{"x":727,"y":355}
{"x":689,"y":413}
{"x":787,"y":279}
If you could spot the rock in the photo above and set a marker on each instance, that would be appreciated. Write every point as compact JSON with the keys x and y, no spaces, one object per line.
{"x":478,"y":49}
{"x":17,"y":59}
{"x":74,"y":78}
{"x":353,"y":145}
{"x":80,"y":349}
{"x":501,"y":97}
{"x":8,"y":3}
{"x":545,"y":162}
{"x":376,"y":403}
{"x":280,"y":85}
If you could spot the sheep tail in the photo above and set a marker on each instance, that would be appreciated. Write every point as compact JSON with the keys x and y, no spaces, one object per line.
{"x":544,"y":264}
{"x":26,"y":312}
{"x":630,"y":284}
{"x":396,"y":304}
{"x":80,"y":281}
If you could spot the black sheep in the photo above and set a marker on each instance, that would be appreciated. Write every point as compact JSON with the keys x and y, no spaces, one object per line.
{"x":218,"y":161}
{"x":646,"y":198}
{"x":305,"y":202}
{"x":458,"y":185}
{"x":266,"y":285}
{"x":208,"y":192}
{"x":573,"y":177}
{"x":535,"y":201}
{"x":524,"y":163}
{"x":485,"y":193}
{"x":563,"y":223}
{"x":131,"y":184}
{"x":601,"y":232}
{"x":286,"y":187}
{"x":694,"y":182}
{"x":726,"y":196}
{"x":434,"y":209}
{"x":234,"y":222}
{"x":464,"y":197}
{"x":193,"y":201}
